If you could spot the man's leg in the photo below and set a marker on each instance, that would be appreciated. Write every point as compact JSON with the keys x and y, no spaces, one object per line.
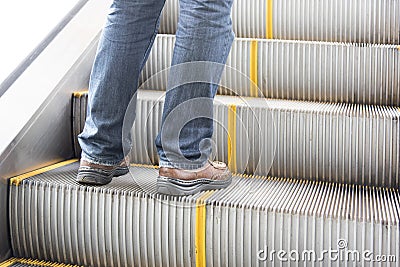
{"x":204,"y":35}
{"x":124,"y":45}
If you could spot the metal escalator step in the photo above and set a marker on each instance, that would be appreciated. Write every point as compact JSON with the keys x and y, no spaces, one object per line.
{"x":126,"y":224}
{"x":305,"y":140}
{"x":22,"y":262}
{"x":333,"y":21}
{"x":311,"y":71}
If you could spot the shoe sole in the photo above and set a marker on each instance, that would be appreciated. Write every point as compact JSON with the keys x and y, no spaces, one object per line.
{"x":92,"y":177}
{"x":119,"y":171}
{"x":175,"y":187}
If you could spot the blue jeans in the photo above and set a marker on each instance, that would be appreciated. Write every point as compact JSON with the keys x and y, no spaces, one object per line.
{"x":204,"y":34}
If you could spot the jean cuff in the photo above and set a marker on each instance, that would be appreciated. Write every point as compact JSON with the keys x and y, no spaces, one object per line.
{"x":167,"y":164}
{"x":92,"y":160}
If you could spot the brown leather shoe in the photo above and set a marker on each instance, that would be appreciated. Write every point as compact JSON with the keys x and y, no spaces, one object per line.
{"x":214,"y":175}
{"x":96,"y":174}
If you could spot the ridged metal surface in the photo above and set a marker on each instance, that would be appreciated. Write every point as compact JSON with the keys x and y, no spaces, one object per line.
{"x":54,"y":218}
{"x":307,"y":140}
{"x":312,"y":71}
{"x":79,"y":107}
{"x":362,"y":21}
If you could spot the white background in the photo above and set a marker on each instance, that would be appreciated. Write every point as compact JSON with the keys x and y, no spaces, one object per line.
{"x":23,"y":24}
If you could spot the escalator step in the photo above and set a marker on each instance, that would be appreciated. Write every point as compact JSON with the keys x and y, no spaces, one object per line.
{"x":311,"y":71}
{"x":295,"y":139}
{"x":333,"y":21}
{"x":126,"y":224}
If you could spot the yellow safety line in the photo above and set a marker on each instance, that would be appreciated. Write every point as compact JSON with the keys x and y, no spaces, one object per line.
{"x":254,"y":68}
{"x":232,"y":138}
{"x":398,"y":47}
{"x":80,"y":94}
{"x":12,"y":261}
{"x":269,"y":19}
{"x":144,"y":166}
{"x":18,"y":179}
{"x":8,"y":262}
{"x":200,"y":230}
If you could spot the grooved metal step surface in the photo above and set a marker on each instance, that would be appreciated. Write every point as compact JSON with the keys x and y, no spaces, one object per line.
{"x":295,"y":139}
{"x":297,"y":70}
{"x":78,"y":117}
{"x":362,"y":21}
{"x":126,"y":224}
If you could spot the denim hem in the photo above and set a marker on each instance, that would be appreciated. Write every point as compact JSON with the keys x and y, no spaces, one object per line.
{"x":99,"y":161}
{"x":167,"y":164}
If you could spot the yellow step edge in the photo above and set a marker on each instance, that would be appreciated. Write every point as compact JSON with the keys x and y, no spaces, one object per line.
{"x":144,"y":166}
{"x":80,"y":93}
{"x":232,"y":136}
{"x":254,"y":68}
{"x":12,"y":261}
{"x":8,"y":262}
{"x":200,"y":229}
{"x":269,"y":19}
{"x":18,"y":179}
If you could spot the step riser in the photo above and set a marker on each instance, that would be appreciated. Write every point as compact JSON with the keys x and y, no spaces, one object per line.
{"x":119,"y":225}
{"x":332,"y":21}
{"x":296,"y":70}
{"x":326,"y":142}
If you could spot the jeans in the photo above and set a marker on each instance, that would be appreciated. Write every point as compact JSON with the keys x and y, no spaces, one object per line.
{"x":204,"y":34}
